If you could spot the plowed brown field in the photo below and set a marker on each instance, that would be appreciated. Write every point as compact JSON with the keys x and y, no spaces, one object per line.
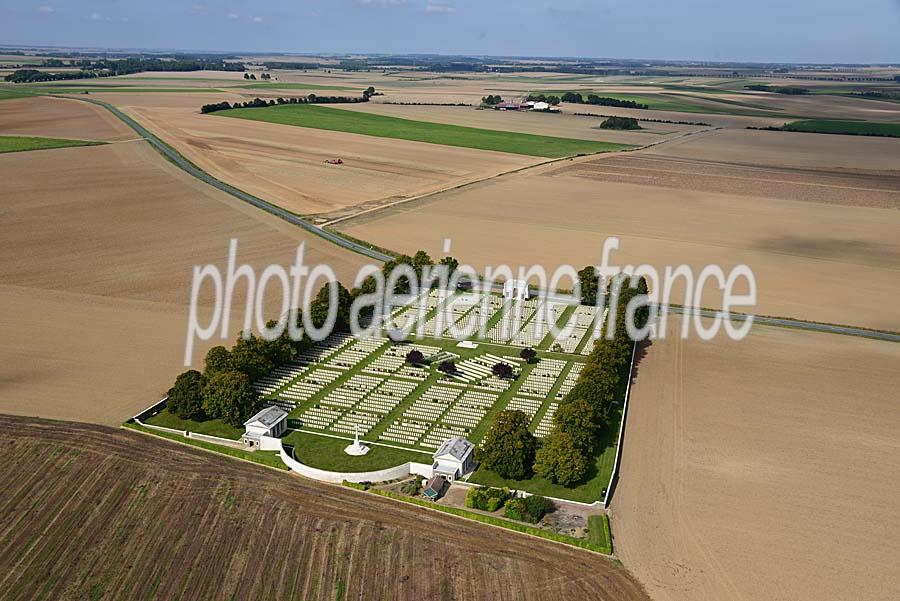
{"x":93,"y":512}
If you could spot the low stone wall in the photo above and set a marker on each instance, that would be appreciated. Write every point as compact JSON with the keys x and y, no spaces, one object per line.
{"x":391,"y":473}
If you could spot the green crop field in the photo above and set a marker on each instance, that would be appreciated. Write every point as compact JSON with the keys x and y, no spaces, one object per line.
{"x":23,"y":143}
{"x":320,"y":117}
{"x":679,"y":103}
{"x":277,"y":85}
{"x":6,"y":94}
{"x":855,"y":128}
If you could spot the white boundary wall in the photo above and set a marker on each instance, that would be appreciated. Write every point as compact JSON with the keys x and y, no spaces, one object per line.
{"x":391,"y":473}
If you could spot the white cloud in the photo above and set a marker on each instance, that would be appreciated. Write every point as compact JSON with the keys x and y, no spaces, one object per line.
{"x":257,"y":19}
{"x":439,"y":7}
{"x":233,"y":15}
{"x":96,"y":17}
{"x":46,"y":9}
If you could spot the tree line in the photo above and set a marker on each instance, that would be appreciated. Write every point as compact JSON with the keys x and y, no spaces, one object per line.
{"x":125,"y":66}
{"x":590,"y":408}
{"x":310,"y":99}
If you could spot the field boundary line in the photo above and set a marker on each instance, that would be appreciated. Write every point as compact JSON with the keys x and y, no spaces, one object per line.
{"x":184,"y":164}
{"x":613,"y":478}
{"x":446,"y":510}
{"x":510,"y":172}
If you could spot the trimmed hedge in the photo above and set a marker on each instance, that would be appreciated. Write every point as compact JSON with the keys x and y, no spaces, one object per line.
{"x":501,"y":522}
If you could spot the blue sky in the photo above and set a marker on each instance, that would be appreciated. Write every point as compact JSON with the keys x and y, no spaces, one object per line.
{"x":751,"y":30}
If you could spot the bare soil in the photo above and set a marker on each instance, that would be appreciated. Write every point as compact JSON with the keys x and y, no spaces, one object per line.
{"x":762,"y":469}
{"x":95,"y":512}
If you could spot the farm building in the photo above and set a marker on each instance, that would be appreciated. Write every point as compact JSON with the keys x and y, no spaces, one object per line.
{"x":453,"y":459}
{"x":271,"y":421}
{"x":434,"y":488}
{"x":511,"y":106}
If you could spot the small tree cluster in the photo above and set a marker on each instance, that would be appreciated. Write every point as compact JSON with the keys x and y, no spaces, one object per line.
{"x":491,"y":100}
{"x":620,"y":123}
{"x":486,"y":499}
{"x":551,"y":100}
{"x":530,"y":509}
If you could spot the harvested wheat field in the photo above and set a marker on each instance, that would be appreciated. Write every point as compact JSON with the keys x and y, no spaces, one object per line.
{"x":182,"y":523}
{"x":286,"y":165}
{"x":822,"y":152}
{"x":762,"y":469}
{"x":60,"y":118}
{"x":805,"y":234}
{"x":96,"y":267}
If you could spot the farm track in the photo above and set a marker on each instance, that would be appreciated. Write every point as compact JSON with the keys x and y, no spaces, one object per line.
{"x":95,"y":512}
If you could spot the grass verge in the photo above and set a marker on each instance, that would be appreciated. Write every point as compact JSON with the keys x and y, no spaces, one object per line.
{"x":213,"y":427}
{"x":598,"y":530}
{"x":23,"y":143}
{"x":332,"y":119}
{"x":596,"y":546}
{"x":267,"y":458}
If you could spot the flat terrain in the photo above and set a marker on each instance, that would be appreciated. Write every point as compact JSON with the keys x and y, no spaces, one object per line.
{"x":286,"y":165}
{"x":205,"y":526}
{"x":96,"y":266}
{"x":384,"y":126}
{"x":765,"y":469}
{"x":59,"y":118}
{"x":805,"y":233}
{"x":565,"y":125}
{"x":788,"y":149}
{"x":25,"y":143}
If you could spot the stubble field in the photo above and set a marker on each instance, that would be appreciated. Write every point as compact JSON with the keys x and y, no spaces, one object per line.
{"x":806,"y":235}
{"x":762,"y":469}
{"x":116,"y":521}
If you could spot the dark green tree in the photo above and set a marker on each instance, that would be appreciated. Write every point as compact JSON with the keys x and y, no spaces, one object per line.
{"x":577,"y":419}
{"x":318,"y":309}
{"x":560,"y":460}
{"x":229,"y":396}
{"x":186,"y":396}
{"x":509,"y":448}
{"x":528,"y":354}
{"x":589,"y":282}
{"x":217,"y":359}
{"x":252,"y":357}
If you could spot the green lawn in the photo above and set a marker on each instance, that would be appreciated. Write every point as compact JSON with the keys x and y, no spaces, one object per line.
{"x":327,"y":453}
{"x":590,"y":490}
{"x":23,"y":143}
{"x":598,"y":530}
{"x":213,"y":427}
{"x":278,"y":85}
{"x":320,"y":117}
{"x":856,"y":128}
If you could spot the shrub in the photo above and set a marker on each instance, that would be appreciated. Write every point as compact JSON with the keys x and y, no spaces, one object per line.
{"x":486,"y":499}
{"x":516,"y":510}
{"x":538,"y":507}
